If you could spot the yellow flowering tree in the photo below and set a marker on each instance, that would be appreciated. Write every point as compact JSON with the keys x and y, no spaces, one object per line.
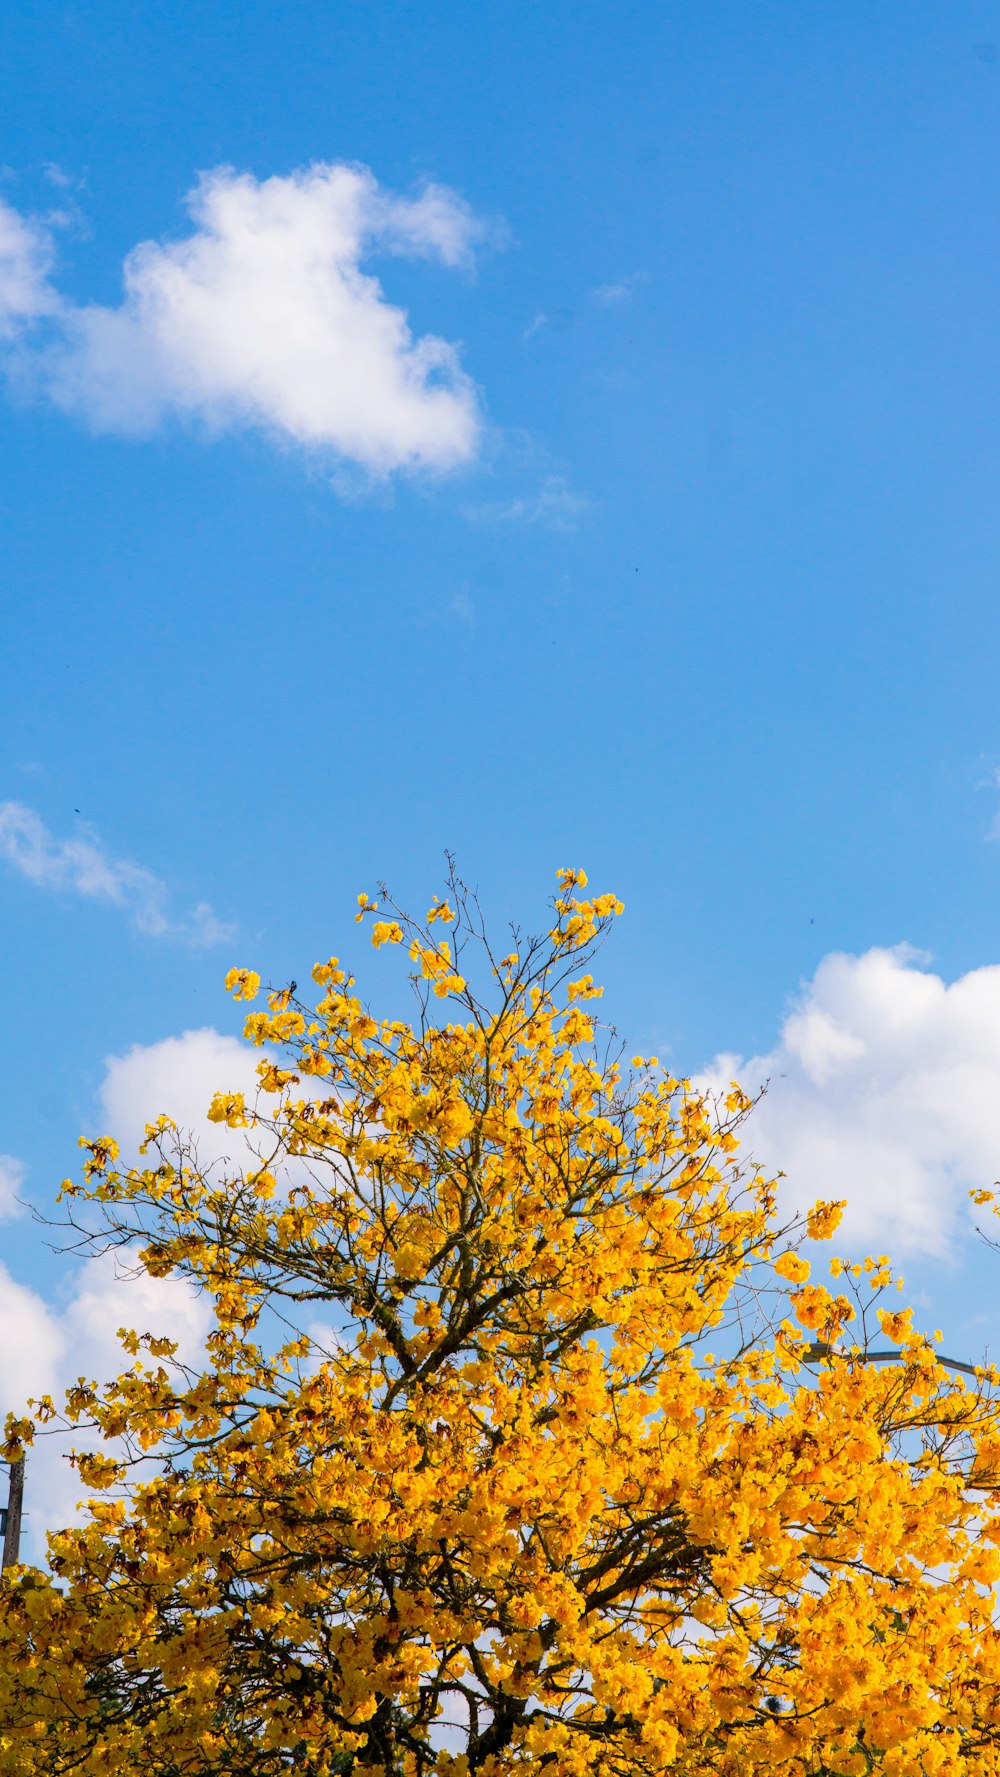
{"x":509,"y":1512}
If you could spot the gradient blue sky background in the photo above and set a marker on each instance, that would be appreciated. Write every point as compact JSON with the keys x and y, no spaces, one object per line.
{"x":712,"y":607}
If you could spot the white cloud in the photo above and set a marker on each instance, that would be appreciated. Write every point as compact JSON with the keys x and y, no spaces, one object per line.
{"x":883,"y":1090}
{"x":992,"y":782}
{"x":33,"y":1343}
{"x":204,"y":929}
{"x":179,"y":1077}
{"x":11,"y":1182}
{"x":108,"y":1296}
{"x":553,"y":504}
{"x":260,"y":316}
{"x":609,"y":296}
{"x":48,"y":1345}
{"x":26,"y":255}
{"x":460,"y":605}
{"x":82,"y":866}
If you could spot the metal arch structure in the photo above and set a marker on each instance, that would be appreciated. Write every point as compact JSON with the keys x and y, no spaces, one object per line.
{"x":818,"y":1350}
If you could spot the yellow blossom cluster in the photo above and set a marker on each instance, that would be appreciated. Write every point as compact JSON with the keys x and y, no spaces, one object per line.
{"x":523,"y":1441}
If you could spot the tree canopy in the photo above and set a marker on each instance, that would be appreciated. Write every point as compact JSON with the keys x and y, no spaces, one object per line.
{"x":586,"y":1474}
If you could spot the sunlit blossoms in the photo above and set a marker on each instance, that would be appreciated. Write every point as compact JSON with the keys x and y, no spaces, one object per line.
{"x":587,"y":1472}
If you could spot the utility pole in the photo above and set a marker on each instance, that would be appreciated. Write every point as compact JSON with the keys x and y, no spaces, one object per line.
{"x":10,"y":1520}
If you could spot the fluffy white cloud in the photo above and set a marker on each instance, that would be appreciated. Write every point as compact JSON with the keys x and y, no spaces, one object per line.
{"x":48,"y":1345}
{"x":178,"y":1076}
{"x":82,"y":865}
{"x":883,"y":1089}
{"x":32,"y":1342}
{"x":260,"y":316}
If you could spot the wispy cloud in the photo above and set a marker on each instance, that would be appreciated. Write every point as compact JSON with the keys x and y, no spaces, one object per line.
{"x":11,"y":1181}
{"x":82,"y":865}
{"x":554,"y":504}
{"x":608,"y":296}
{"x":992,"y":782}
{"x":261,"y":316}
{"x":26,"y":257}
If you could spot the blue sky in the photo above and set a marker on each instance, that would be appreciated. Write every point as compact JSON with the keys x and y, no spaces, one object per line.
{"x":678,"y":559}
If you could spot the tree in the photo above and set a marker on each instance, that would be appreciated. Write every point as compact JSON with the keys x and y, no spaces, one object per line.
{"x":510,"y":1513}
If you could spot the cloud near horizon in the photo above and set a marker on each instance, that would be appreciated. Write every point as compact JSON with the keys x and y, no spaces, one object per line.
{"x":48,"y":1343}
{"x":260,"y":317}
{"x":83,"y":866}
{"x":882,"y":1089}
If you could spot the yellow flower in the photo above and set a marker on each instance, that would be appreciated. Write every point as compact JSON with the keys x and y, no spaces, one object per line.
{"x":793,"y":1267}
{"x":228,"y":1107}
{"x":386,"y":931}
{"x":456,"y":1430}
{"x":244,"y":984}
{"x":896,"y":1326}
{"x":824,"y":1219}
